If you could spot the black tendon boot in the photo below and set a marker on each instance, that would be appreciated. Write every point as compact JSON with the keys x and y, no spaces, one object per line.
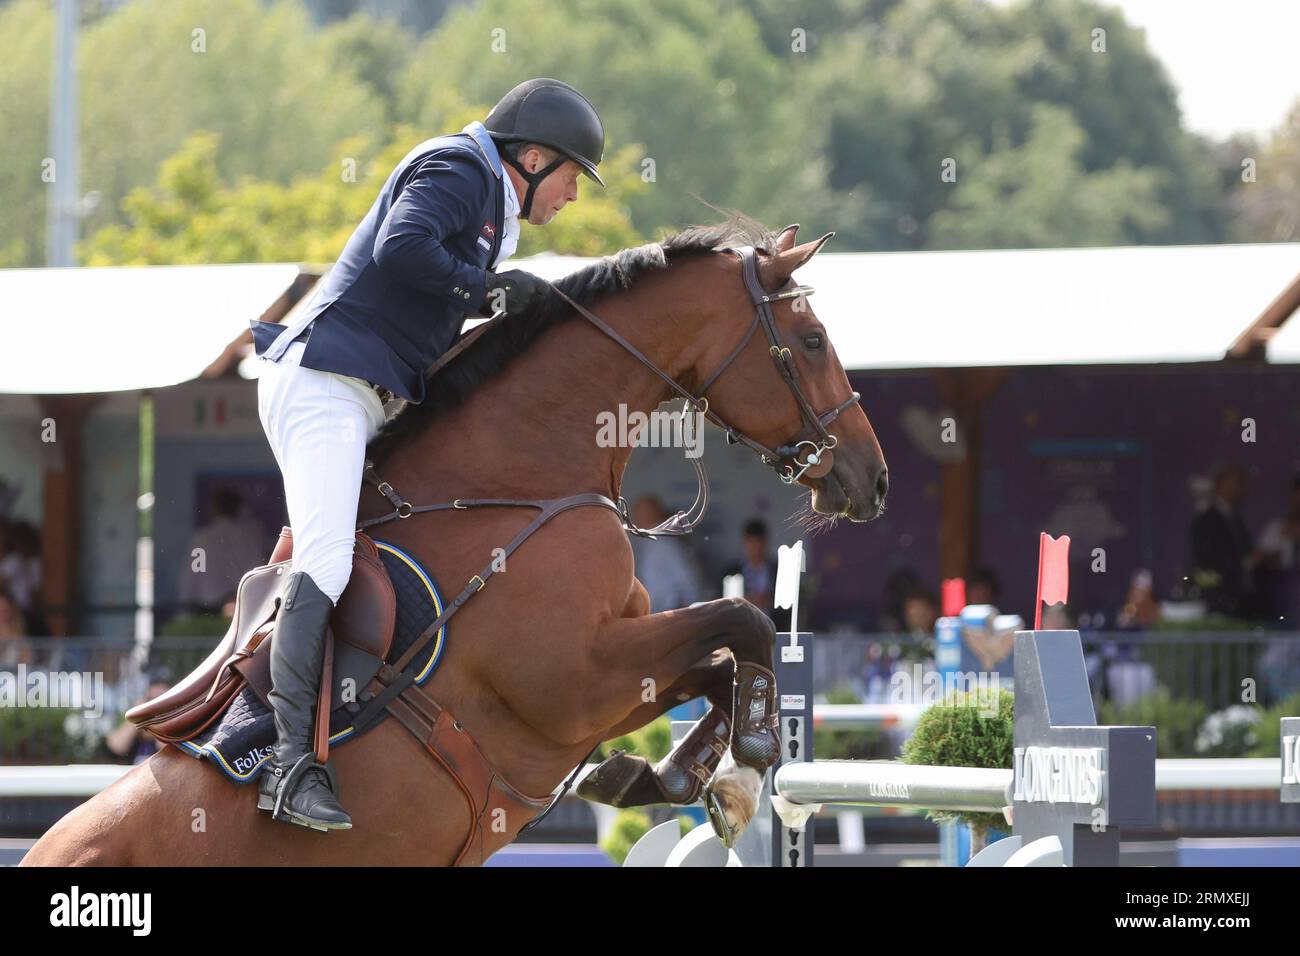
{"x":293,"y":786}
{"x":754,"y":740}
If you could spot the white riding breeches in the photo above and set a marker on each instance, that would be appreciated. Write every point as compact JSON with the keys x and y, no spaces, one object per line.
{"x":318,"y":424}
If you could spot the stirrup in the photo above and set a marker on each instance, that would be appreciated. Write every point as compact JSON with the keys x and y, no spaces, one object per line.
{"x":286,"y":787}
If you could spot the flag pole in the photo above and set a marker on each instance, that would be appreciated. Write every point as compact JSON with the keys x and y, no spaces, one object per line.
{"x":1038,"y":594}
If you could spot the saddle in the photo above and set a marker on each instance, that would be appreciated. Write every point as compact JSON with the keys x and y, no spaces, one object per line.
{"x":360,"y":636}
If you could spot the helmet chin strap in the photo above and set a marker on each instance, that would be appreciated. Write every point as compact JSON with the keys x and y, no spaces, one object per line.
{"x":531,"y":178}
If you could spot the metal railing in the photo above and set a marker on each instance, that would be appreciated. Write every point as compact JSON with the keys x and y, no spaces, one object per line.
{"x":1123,"y":667}
{"x":1196,"y":674}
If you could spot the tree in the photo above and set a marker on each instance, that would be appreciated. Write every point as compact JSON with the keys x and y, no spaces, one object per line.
{"x":189,"y":216}
{"x":939,"y":79}
{"x":689,"y":81}
{"x":1268,"y":209}
{"x":1038,"y":195}
{"x":24,"y":152}
{"x":155,"y":71}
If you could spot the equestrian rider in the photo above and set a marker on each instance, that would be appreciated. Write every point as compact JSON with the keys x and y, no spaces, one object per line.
{"x":420,"y":260}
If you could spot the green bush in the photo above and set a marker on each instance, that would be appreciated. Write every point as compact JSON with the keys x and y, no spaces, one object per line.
{"x":960,"y":732}
{"x":653,"y":741}
{"x":1177,"y":720}
{"x":1268,"y":732}
{"x":39,"y":735}
{"x":629,"y":826}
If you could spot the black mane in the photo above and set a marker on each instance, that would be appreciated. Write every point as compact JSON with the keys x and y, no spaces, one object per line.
{"x":494,"y":349}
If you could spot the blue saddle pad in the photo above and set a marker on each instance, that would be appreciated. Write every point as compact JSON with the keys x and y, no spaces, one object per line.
{"x":240,"y":741}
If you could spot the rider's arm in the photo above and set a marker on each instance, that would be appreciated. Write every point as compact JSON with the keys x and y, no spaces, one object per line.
{"x":444,"y":196}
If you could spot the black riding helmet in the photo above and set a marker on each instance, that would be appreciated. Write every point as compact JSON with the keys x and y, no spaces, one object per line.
{"x":554,"y":114}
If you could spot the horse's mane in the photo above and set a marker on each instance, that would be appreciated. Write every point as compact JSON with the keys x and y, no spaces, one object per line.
{"x":495,"y":348}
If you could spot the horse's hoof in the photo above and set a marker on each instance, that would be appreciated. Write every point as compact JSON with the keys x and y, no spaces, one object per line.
{"x":615,"y":782}
{"x":732,"y":799}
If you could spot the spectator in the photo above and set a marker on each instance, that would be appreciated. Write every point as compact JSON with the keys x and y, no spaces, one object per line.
{"x":920,"y":612}
{"x":899,"y":583}
{"x":1221,"y":548}
{"x":664,"y":565}
{"x":229,"y":544}
{"x":20,"y":569}
{"x":1278,"y":542}
{"x":1140,"y":610}
{"x":128,"y":742}
{"x":1279,"y":561}
{"x":983,"y":587}
{"x":11,"y":631}
{"x":20,"y":562}
{"x":759,"y":571}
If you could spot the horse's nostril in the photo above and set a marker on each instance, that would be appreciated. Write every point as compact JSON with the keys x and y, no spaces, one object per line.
{"x":882,"y":485}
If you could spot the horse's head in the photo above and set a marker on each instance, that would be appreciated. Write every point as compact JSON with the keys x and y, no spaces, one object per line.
{"x":757,"y":389}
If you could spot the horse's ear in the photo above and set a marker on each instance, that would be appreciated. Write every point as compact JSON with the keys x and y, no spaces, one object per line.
{"x":774,"y":271}
{"x":785,"y":240}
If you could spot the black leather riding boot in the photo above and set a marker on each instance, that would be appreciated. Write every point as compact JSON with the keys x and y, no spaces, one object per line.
{"x":292,"y":785}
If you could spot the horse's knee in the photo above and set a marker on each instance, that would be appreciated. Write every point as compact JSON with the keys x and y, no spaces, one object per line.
{"x":747,"y":624}
{"x":638,"y":601}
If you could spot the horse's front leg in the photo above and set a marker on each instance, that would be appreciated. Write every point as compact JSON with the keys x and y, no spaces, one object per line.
{"x":630,"y":780}
{"x":663,"y":647}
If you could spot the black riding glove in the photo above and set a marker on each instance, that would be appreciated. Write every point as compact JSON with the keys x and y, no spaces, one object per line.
{"x":521,"y":291}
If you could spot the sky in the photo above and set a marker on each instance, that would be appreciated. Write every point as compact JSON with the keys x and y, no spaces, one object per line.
{"x":1233,"y":62}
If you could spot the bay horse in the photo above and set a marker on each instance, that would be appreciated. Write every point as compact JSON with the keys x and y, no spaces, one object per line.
{"x":557,"y":655}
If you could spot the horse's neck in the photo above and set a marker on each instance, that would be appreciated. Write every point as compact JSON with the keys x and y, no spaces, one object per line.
{"x":531,"y":430}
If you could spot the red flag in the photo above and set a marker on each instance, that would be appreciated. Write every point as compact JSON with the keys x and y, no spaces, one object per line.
{"x":954,"y":596}
{"x":1053,"y":573}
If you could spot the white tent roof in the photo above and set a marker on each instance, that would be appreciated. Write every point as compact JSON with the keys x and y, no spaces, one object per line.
{"x":1136,"y":304}
{"x":1284,"y":347}
{"x":128,"y":327}
{"x":110,"y":329}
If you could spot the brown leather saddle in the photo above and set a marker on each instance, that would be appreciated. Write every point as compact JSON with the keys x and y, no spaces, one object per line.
{"x":359,"y":638}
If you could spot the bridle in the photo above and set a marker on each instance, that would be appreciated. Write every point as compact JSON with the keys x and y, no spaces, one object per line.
{"x":786,"y":459}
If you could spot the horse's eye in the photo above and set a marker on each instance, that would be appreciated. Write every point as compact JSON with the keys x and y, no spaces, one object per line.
{"x":813,"y":341}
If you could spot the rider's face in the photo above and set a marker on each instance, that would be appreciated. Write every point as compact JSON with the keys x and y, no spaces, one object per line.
{"x":554,"y":192}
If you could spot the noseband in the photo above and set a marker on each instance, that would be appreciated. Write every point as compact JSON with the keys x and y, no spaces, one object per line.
{"x":786,"y":459}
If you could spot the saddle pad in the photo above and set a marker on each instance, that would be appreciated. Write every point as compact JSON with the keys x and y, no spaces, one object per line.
{"x":240,"y":741}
